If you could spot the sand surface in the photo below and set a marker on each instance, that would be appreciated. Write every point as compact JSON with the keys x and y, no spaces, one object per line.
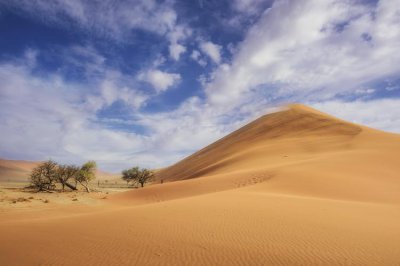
{"x":296,"y":187}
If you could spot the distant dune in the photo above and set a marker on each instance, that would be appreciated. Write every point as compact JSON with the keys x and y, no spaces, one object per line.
{"x":18,"y":171}
{"x":13,"y":170}
{"x":295,"y":187}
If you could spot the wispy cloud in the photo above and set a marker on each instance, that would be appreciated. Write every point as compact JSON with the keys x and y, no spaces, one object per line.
{"x":48,"y":116}
{"x":109,"y":19}
{"x":378,"y":113}
{"x":212,"y":50}
{"x":160,"y":80}
{"x":312,"y":49}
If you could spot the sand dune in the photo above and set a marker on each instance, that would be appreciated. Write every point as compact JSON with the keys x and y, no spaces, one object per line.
{"x":12,"y":170}
{"x":296,"y":187}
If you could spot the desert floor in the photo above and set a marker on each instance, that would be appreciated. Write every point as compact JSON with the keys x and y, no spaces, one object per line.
{"x":292,"y":188}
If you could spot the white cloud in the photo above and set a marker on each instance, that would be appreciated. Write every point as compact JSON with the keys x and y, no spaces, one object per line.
{"x":212,"y":50}
{"x":102,"y":17}
{"x":250,"y":7}
{"x":178,"y":34}
{"x":161,"y":81}
{"x":196,"y":56}
{"x":47,"y":117}
{"x":109,"y":19}
{"x":175,"y":51}
{"x":109,"y":92}
{"x":380,"y":113}
{"x":314,"y":48}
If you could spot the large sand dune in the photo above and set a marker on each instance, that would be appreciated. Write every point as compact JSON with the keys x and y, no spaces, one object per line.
{"x":296,"y":187}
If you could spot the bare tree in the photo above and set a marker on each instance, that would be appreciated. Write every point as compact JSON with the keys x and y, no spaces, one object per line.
{"x":86,"y":174}
{"x":66,"y":172}
{"x":44,"y":176}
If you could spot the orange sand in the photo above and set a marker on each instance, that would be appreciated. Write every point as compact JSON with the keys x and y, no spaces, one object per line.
{"x":296,"y":187}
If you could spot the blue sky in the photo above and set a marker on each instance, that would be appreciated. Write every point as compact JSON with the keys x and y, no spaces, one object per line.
{"x":146,"y":82}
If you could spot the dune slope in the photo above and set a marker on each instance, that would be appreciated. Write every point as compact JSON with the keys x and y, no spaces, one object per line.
{"x":296,"y":187}
{"x":13,"y":170}
{"x":297,"y":122}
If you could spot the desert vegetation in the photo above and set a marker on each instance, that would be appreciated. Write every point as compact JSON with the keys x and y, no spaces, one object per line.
{"x":137,"y":175}
{"x":47,"y":175}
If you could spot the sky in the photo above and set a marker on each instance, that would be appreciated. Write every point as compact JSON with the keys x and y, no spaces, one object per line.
{"x":148,"y":82}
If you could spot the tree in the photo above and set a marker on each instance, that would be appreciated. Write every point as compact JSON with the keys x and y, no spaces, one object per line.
{"x":137,"y":175}
{"x":66,"y":172}
{"x":44,"y":176}
{"x":129,"y":175}
{"x":86,"y":174}
{"x":145,"y":176}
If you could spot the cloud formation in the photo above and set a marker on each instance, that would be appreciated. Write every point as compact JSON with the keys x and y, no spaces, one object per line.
{"x":312,"y":49}
{"x":212,"y":50}
{"x":339,"y":56}
{"x":160,"y":80}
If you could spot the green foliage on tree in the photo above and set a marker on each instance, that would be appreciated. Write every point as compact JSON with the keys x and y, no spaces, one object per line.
{"x":86,"y":174}
{"x":137,"y":175}
{"x":129,"y":175}
{"x":65,"y":173}
{"x":44,"y":176}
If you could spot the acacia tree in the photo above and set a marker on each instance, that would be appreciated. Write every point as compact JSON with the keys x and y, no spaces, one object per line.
{"x":66,"y":172}
{"x":130,"y":174}
{"x":44,"y":176}
{"x":145,"y":176}
{"x":86,"y":174}
{"x":141,"y":176}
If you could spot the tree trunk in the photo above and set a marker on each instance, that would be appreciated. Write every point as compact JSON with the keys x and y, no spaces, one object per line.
{"x":142,"y":183}
{"x":86,"y":186}
{"x":70,"y":186}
